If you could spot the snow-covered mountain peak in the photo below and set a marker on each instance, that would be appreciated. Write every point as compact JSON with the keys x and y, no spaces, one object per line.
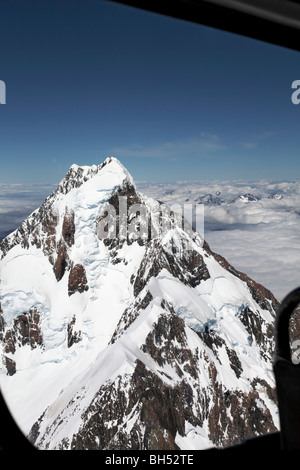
{"x":80,"y":197}
{"x":143,"y":341}
{"x":77,"y":175}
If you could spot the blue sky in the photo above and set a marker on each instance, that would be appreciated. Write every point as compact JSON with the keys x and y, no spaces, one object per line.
{"x":172,"y":100}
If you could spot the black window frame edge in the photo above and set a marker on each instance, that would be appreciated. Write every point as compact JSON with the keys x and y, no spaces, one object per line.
{"x":273,"y":21}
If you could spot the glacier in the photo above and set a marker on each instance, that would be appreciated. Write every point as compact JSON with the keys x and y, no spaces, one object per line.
{"x":156,"y":344}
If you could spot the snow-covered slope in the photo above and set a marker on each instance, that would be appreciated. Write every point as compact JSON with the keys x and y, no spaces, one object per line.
{"x":142,"y":342}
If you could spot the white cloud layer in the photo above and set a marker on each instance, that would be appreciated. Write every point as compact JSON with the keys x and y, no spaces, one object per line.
{"x":254,"y":225}
{"x":17,"y":201}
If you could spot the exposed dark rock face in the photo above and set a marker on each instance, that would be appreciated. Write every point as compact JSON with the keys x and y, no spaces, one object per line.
{"x":262,"y":332}
{"x":158,"y":407}
{"x":215,"y":343}
{"x":159,"y":411}
{"x":237,"y":416}
{"x":26,"y":330}
{"x":130,"y":314}
{"x":29,"y":329}
{"x":61,"y":262}
{"x":295,"y":335}
{"x":49,"y":222}
{"x":73,"y":335}
{"x":77,"y":280}
{"x":186,"y":265}
{"x":68,"y":228}
{"x":167,"y":344}
{"x":123,"y":201}
{"x":60,"y":255}
{"x":2,"y":324}
{"x":10,"y":365}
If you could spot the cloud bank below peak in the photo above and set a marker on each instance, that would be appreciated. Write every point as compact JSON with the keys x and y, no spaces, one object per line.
{"x":254,"y":225}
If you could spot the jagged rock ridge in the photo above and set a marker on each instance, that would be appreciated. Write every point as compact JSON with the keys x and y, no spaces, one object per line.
{"x":148,"y":339}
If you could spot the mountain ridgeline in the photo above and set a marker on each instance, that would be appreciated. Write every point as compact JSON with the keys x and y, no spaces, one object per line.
{"x":116,"y":334}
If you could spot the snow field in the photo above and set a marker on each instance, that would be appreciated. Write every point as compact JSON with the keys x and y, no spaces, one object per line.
{"x":63,"y":381}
